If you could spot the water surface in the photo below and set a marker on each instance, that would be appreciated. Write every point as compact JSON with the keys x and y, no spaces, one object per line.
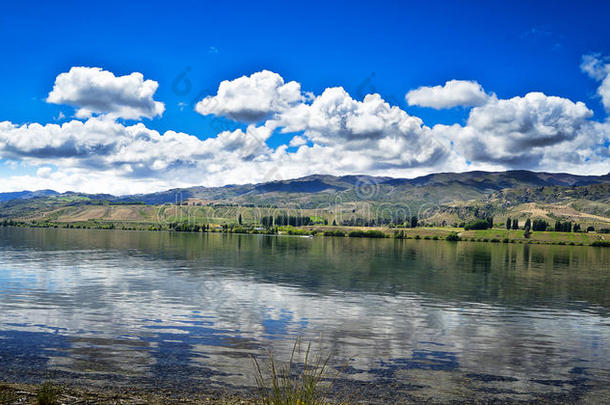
{"x":404,"y":319}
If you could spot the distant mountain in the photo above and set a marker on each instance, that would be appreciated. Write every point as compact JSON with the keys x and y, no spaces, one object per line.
{"x":311,"y":190}
{"x":443,"y":197}
{"x":439,"y":188}
{"x":26,"y":194}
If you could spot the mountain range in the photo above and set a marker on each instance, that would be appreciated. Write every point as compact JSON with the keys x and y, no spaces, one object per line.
{"x":498,"y":192}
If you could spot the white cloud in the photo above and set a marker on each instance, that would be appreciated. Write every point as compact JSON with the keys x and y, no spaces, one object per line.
{"x":95,"y":91}
{"x":102,"y":155}
{"x":535,"y":131}
{"x":44,"y":171}
{"x":297,"y":141}
{"x":252,"y":98}
{"x":453,"y":93}
{"x":598,"y":68}
{"x":384,"y":135}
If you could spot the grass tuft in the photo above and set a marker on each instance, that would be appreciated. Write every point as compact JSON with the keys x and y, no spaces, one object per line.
{"x":48,"y":394}
{"x":306,"y":383}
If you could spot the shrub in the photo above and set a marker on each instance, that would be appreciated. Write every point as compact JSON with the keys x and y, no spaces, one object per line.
{"x":452,"y":237}
{"x":417,"y":237}
{"x":367,"y":234}
{"x":239,"y":229}
{"x":478,"y":224}
{"x":505,"y":240}
{"x":337,"y":232}
{"x":494,"y":240}
{"x":601,"y":243}
{"x":297,"y":231}
{"x":426,"y":237}
{"x":435,"y":237}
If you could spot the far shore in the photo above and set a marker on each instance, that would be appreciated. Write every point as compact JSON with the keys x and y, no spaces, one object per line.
{"x":492,"y":235}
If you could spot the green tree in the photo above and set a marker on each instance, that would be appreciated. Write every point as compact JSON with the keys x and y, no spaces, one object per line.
{"x":540,"y":225}
{"x":515,"y":223}
{"x":508,"y":223}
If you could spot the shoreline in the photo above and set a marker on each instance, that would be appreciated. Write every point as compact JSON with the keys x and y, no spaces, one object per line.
{"x":19,"y":393}
{"x":492,"y":235}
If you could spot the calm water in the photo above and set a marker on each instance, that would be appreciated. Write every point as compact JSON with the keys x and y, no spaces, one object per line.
{"x":411,"y":319}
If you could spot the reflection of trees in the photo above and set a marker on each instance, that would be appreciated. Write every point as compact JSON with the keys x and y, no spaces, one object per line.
{"x":511,"y":274}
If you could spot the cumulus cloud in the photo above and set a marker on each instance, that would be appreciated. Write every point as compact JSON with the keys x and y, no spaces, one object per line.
{"x":92,"y":90}
{"x":598,"y":68}
{"x":532,"y":131}
{"x":98,"y":144}
{"x":134,"y":158}
{"x":453,"y":93}
{"x":385,"y":134}
{"x":297,"y":141}
{"x":252,"y":98}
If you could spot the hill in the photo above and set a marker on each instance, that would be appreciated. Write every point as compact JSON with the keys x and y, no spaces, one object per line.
{"x":438,"y":198}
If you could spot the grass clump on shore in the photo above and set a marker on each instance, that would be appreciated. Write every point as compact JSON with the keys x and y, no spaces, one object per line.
{"x":48,"y":394}
{"x":295,"y":383}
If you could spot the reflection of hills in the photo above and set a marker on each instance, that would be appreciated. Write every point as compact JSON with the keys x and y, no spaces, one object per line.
{"x":498,"y":274}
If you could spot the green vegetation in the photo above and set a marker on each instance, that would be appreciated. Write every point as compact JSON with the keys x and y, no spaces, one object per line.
{"x":479,"y":224}
{"x":601,"y":243}
{"x":48,"y":394}
{"x":367,"y":234}
{"x":296,"y":383}
{"x":453,"y":237}
{"x":524,"y":209}
{"x":563,"y":226}
{"x":540,"y":225}
{"x":291,"y":230}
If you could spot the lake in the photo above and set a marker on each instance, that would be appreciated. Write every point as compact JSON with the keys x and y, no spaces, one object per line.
{"x":404,"y":320}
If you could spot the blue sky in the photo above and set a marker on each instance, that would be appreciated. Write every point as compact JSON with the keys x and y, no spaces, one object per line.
{"x":390,"y":48}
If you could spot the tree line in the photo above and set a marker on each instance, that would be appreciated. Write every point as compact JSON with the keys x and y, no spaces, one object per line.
{"x":542,"y":225}
{"x":287,"y":220}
